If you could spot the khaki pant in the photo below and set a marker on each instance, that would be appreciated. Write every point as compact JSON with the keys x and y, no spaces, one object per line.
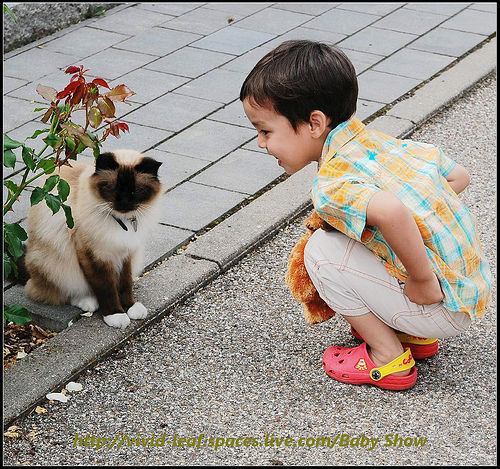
{"x":354,"y":282}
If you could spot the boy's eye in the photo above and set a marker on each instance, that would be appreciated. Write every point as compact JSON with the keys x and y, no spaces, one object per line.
{"x":264,"y":132}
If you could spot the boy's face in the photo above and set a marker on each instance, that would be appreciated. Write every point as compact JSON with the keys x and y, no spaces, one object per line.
{"x":293,"y":150}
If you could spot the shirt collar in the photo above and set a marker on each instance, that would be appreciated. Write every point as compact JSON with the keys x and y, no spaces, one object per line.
{"x":338,"y":137}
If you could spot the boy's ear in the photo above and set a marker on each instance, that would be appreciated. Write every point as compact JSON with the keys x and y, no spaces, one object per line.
{"x":318,"y":122}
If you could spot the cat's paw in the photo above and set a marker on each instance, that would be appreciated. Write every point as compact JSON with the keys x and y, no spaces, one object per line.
{"x":87,"y":303}
{"x":137,"y":311}
{"x":118,"y":320}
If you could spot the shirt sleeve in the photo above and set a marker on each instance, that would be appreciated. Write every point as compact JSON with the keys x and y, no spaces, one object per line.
{"x":343,"y":203}
{"x":445,"y":164}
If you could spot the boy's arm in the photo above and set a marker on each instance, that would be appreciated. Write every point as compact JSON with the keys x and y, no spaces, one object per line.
{"x":399,"y":229}
{"x":458,"y":178}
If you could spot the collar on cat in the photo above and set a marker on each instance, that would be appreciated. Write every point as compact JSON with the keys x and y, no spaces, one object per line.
{"x":132,"y":220}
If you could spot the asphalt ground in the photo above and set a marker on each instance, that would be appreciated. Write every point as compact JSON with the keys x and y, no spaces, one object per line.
{"x":238,"y":364}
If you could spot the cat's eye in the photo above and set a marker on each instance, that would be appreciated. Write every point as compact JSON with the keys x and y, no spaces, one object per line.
{"x":105,"y":185}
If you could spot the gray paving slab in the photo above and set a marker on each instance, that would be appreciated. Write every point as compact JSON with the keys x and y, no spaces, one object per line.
{"x":84,"y":42}
{"x":112,"y":63}
{"x":384,"y":87}
{"x":218,"y":85}
{"x":342,"y":21}
{"x":203,"y":20}
{"x":140,"y":137}
{"x":158,"y":41}
{"x":233,"y":40}
{"x":443,"y":8}
{"x":413,"y":63}
{"x":473,"y":21}
{"x":208,"y":140}
{"x":194,"y":206}
{"x":241,"y":171}
{"x":274,"y":21}
{"x":36,"y":63}
{"x":447,"y":86}
{"x":410,"y":21}
{"x":169,"y":8}
{"x":374,"y":8}
{"x":447,"y":42}
{"x":232,"y":113}
{"x":189,"y":62}
{"x":173,"y":112}
{"x":176,"y":168}
{"x":149,"y":84}
{"x":377,"y":41}
{"x":131,"y":21}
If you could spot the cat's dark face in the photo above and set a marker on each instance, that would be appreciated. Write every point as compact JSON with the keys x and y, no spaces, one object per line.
{"x":126,"y":186}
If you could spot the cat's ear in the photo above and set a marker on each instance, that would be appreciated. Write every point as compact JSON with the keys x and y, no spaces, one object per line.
{"x":105,"y":161}
{"x":148,"y":166}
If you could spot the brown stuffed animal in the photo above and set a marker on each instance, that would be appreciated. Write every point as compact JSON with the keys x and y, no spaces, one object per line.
{"x":297,"y":278}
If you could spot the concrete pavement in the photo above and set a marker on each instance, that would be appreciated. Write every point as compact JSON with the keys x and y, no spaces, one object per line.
{"x":186,"y":63}
{"x":234,"y":376}
{"x":187,"y":77}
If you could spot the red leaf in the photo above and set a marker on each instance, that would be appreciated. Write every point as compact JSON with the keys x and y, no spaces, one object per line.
{"x":68,"y":90}
{"x":78,"y":94}
{"x":106,"y":107}
{"x":120,"y":93}
{"x":47,"y":92}
{"x":100,"y":82}
{"x":73,"y":69}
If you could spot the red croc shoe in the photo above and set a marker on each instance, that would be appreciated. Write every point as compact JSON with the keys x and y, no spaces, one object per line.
{"x":354,"y":366}
{"x":420,"y":346}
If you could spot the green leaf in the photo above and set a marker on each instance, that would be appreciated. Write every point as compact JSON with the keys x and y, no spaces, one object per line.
{"x":9,"y":144}
{"x":47,"y":164}
{"x":63,"y":190}
{"x":9,"y":266}
{"x":53,"y":203}
{"x":86,"y":139}
{"x":9,"y":159}
{"x":70,"y":143}
{"x":38,"y":132}
{"x":17,"y":314}
{"x":50,"y":183}
{"x":6,"y":9}
{"x":37,"y":195}
{"x":16,"y":229}
{"x":69,"y":218}
{"x":11,"y":186}
{"x":28,"y":154}
{"x":51,"y":140}
{"x":15,"y":247}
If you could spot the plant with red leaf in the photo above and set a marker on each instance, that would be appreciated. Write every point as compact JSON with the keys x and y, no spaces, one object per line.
{"x":63,"y":136}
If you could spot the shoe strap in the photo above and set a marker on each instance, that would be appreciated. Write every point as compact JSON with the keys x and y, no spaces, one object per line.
{"x":404,"y":362}
{"x":411,"y":339}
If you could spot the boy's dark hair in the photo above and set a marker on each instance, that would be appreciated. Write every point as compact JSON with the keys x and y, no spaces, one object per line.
{"x":301,"y":76}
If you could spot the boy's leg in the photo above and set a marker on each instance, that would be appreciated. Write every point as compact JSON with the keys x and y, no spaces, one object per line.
{"x":382,"y":340}
{"x":353,"y":282}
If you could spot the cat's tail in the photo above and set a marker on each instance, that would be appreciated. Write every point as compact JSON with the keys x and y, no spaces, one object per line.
{"x":22,"y":273}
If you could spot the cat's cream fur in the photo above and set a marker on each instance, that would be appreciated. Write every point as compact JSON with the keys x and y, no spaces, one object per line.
{"x":71,"y":265}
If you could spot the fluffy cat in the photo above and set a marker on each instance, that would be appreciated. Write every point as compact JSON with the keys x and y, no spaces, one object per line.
{"x":92,"y":266}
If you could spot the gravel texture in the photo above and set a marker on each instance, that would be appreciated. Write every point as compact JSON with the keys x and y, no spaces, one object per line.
{"x":238,"y":360}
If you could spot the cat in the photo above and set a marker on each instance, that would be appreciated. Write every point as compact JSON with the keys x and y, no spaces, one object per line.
{"x":114,"y":205}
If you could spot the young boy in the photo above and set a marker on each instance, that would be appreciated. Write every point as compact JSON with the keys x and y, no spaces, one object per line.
{"x":404,"y":262}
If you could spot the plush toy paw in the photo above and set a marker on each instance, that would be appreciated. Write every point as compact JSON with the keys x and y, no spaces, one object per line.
{"x":298,"y":280}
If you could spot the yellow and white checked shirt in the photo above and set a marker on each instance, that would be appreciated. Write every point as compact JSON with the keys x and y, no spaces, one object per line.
{"x":357,"y":162}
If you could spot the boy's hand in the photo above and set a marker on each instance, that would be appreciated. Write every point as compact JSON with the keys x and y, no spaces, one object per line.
{"x":424,"y":292}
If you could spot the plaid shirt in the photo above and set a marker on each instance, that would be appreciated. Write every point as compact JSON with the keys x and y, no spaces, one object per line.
{"x":357,"y":162}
